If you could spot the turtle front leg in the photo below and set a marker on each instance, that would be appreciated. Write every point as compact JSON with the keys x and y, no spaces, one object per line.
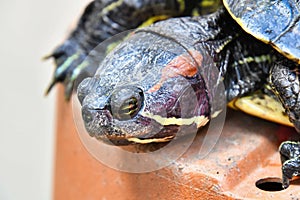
{"x":100,"y":20}
{"x":68,"y":57}
{"x":290,"y":159}
{"x":284,"y":80}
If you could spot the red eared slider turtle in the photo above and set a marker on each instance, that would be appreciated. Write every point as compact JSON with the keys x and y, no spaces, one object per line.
{"x":141,"y":88}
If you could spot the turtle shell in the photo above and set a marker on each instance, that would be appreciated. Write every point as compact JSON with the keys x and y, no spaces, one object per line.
{"x":275,"y":22}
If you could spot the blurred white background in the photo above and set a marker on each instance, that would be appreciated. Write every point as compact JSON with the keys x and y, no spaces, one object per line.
{"x":29,"y":30}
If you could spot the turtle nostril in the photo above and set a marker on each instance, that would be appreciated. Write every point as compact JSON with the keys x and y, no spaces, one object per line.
{"x":126,"y":103}
{"x":83,"y":89}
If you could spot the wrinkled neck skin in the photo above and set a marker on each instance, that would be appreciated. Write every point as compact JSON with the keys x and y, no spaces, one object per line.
{"x":162,"y":82}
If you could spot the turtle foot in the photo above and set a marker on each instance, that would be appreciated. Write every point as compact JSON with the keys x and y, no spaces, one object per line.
{"x":290,"y":158}
{"x":285,"y":82}
{"x":69,"y":59}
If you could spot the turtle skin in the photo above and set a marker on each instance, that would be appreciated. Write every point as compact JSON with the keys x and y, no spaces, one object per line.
{"x":277,"y":23}
{"x":280,"y":71}
{"x":284,"y":79}
{"x":102,"y":19}
{"x":290,"y":159}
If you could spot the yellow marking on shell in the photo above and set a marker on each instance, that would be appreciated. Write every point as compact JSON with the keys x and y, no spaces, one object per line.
{"x":151,"y":140}
{"x":263,"y":107}
{"x":231,"y":104}
{"x":257,"y":35}
{"x":165,"y":121}
{"x":154,"y":19}
{"x":240,"y":22}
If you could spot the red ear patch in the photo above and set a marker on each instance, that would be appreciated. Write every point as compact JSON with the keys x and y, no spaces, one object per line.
{"x":183,"y":65}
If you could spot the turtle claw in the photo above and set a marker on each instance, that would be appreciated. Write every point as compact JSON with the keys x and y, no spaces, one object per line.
{"x":285,"y":182}
{"x":62,"y":72}
{"x":68,"y":57}
{"x":290,"y":158}
{"x":69,"y":83}
{"x":53,"y":82}
{"x":68,"y":89}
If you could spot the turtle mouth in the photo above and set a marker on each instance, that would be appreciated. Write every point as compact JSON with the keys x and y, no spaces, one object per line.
{"x":98,"y":122}
{"x":101,"y":124}
{"x":164,"y":135}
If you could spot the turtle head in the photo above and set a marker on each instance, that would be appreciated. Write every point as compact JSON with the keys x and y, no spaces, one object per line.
{"x":145,"y":90}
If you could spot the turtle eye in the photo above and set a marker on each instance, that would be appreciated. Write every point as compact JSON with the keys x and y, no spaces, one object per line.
{"x":129,"y":108}
{"x":126,"y":103}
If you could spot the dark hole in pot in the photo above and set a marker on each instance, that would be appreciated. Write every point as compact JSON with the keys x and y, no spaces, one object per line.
{"x":269,"y":184}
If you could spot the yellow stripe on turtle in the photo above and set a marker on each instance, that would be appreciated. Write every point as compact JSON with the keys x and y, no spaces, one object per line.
{"x":181,"y":5}
{"x":148,"y":22}
{"x":262,"y":106}
{"x":256,"y":59}
{"x":154,"y":19}
{"x":213,"y":4}
{"x":198,"y":120}
{"x":111,"y":6}
{"x":207,"y":7}
{"x":151,"y":140}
